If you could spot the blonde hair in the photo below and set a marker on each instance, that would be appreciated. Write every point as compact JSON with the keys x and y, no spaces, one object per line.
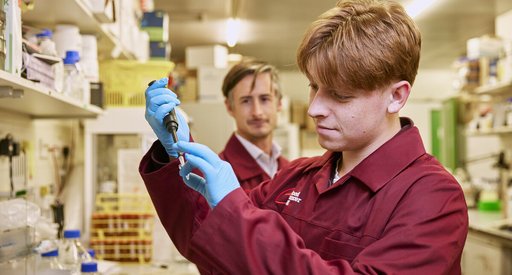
{"x":249,"y":67}
{"x":361,"y":45}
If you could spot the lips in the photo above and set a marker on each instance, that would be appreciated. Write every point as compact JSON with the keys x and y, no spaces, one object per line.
{"x":257,"y":122}
{"x":323,"y":130}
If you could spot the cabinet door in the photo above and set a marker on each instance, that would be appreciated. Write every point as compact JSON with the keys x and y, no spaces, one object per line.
{"x":481,"y":257}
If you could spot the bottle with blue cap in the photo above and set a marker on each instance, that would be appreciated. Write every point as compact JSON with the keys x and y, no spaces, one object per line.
{"x":89,"y":268}
{"x":49,"y":262}
{"x":45,"y":42}
{"x":73,"y":77}
{"x":72,"y":253}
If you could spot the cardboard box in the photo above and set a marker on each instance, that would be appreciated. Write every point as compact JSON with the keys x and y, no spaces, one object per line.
{"x":188,"y":92}
{"x":159,"y":50}
{"x":213,"y":56}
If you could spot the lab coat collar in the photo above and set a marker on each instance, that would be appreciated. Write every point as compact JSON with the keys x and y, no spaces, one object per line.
{"x":378,"y":169}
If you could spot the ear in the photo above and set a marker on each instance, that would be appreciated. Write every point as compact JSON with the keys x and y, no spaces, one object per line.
{"x":229,"y":106}
{"x":279,"y":104}
{"x":398,"y":97}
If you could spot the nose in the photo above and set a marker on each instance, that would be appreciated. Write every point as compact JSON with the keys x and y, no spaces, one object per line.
{"x":257,"y":109}
{"x":317,"y":104}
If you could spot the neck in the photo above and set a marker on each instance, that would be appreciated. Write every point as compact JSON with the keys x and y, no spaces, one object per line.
{"x":264,"y":143}
{"x":351,"y":159}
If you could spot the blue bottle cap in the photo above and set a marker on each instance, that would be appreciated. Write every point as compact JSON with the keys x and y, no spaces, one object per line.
{"x":72,"y":233}
{"x":53,"y":253}
{"x":89,"y":267}
{"x":91,"y":252}
{"x":45,"y":33}
{"x":71,"y":57}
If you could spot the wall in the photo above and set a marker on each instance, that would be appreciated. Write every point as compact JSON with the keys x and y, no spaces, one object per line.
{"x":38,"y":138}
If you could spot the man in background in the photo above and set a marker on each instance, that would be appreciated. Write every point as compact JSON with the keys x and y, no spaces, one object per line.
{"x":253,"y":98}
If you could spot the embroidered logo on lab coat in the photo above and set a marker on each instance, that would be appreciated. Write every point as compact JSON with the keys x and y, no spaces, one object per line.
{"x":294,"y":196}
{"x":287,"y":196}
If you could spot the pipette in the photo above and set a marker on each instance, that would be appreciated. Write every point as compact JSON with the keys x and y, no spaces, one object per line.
{"x":171,"y":124}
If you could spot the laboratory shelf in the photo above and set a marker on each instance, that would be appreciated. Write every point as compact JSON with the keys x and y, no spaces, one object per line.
{"x":495,"y":131}
{"x":494,"y":89}
{"x":49,"y":13}
{"x":39,"y":101}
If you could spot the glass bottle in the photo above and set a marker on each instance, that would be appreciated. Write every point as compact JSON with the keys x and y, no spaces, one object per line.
{"x":71,"y":252}
{"x":73,"y":78}
{"x":49,"y":262}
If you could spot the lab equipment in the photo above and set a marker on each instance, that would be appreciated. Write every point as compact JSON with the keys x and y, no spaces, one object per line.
{"x":72,"y":253}
{"x":219,"y":178}
{"x":49,"y":262}
{"x":171,"y":124}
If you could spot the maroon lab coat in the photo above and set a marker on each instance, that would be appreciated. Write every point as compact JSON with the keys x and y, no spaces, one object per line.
{"x":247,"y":170}
{"x":397,"y":212}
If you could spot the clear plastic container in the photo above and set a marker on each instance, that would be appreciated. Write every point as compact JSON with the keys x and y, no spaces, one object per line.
{"x":72,"y":253}
{"x":89,"y":268}
{"x":49,"y":262}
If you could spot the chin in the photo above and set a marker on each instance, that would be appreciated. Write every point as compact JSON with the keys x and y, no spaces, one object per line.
{"x":330,"y":145}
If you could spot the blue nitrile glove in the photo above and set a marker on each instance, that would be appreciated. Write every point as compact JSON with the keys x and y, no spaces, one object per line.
{"x":159,"y":102}
{"x":219,"y":179}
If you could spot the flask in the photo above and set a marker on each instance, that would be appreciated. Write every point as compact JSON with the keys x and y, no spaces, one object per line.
{"x":49,"y":262}
{"x":73,"y":78}
{"x":71,"y":252}
{"x":89,"y":268}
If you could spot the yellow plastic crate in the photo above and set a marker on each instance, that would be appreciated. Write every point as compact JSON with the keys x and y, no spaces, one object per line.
{"x":124,"y":81}
{"x":139,"y":251}
{"x":122,"y":227}
{"x":123,"y":203}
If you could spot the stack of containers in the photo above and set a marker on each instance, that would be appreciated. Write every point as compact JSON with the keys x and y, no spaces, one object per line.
{"x":156,"y":24}
{"x":122,"y":228}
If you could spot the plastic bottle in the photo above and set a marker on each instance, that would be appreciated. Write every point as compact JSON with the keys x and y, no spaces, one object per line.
{"x":49,"y":262}
{"x":89,"y":268}
{"x":73,"y":78}
{"x":72,"y":253}
{"x":45,"y":42}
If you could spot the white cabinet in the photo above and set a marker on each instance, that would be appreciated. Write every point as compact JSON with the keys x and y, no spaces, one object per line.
{"x":482,"y":256}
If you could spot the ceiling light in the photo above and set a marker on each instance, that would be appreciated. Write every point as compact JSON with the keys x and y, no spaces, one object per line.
{"x":232,"y":31}
{"x":416,"y":7}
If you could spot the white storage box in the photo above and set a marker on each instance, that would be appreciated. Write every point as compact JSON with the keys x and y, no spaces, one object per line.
{"x":209,"y":83}
{"x":214,"y":56}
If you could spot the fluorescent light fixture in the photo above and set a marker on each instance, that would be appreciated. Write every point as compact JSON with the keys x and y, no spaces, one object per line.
{"x":416,"y":7}
{"x":232,"y":31}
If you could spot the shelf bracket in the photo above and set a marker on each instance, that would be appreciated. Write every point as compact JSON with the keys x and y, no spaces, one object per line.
{"x":8,"y":91}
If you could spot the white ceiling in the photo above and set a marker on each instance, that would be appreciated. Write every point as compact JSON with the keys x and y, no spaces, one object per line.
{"x":272,"y":29}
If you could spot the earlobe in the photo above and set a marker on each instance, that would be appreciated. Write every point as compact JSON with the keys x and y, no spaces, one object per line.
{"x":398,"y":97}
